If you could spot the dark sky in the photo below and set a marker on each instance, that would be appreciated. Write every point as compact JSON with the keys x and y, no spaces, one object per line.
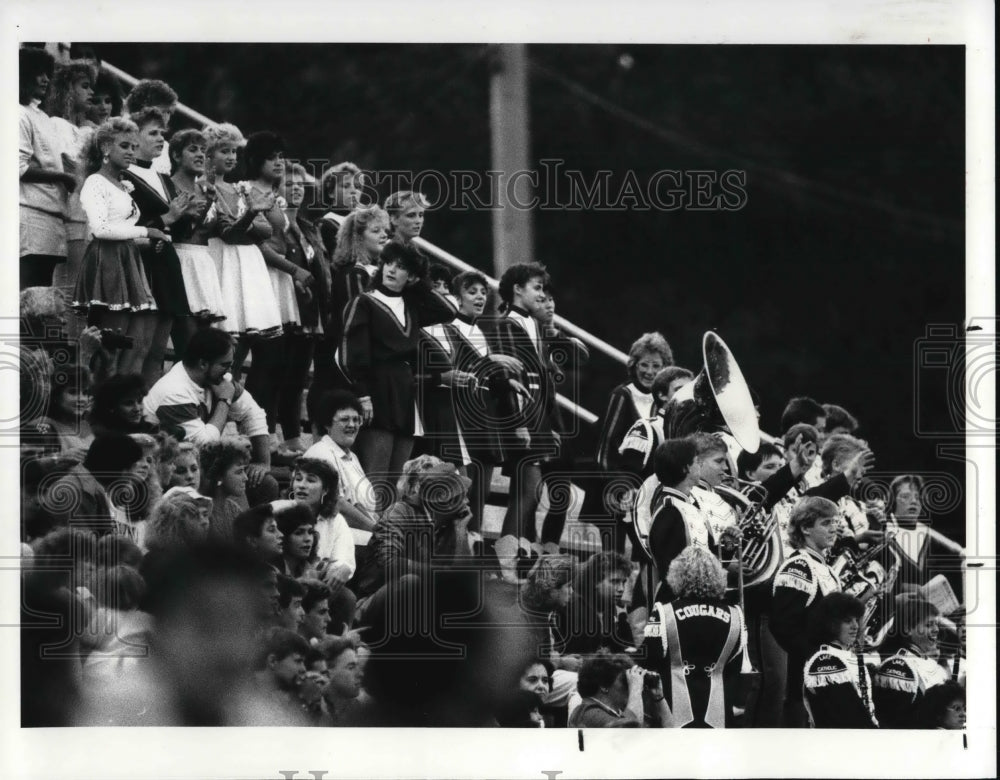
{"x":849,"y":245}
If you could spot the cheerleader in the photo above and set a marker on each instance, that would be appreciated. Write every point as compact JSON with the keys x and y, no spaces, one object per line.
{"x":280,"y":366}
{"x":380,"y":352}
{"x":837,"y":687}
{"x":697,"y":642}
{"x":190,"y":234}
{"x":112,"y":289}
{"x":800,"y":582}
{"x":912,"y":663}
{"x":157,"y":209}
{"x":239,"y":227}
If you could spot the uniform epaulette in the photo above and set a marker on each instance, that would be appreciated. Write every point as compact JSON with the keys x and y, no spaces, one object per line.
{"x":896,"y":674}
{"x":797,"y":574}
{"x":826,"y":669}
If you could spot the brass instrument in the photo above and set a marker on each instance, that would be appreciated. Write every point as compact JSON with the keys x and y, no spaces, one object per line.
{"x":760,"y":547}
{"x":858,"y":573}
{"x":719,"y":398}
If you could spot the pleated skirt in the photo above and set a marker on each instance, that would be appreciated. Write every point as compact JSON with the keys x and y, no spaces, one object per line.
{"x":112,"y":277}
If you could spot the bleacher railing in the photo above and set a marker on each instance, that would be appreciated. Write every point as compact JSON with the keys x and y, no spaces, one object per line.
{"x":447,"y":258}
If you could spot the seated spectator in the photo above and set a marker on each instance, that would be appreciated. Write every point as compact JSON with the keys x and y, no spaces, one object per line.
{"x":149,"y":472}
{"x":596,"y":618}
{"x":256,"y":531}
{"x":202,"y":673}
{"x":837,"y":687}
{"x":223,"y":470}
{"x":315,"y":484}
{"x":544,"y":599}
{"x":344,"y":679}
{"x":297,"y":526}
{"x":290,"y":594}
{"x":612,"y":691}
{"x":91,"y":494}
{"x":180,"y":518}
{"x":522,"y":708}
{"x":117,"y":406}
{"x":65,"y":419}
{"x":186,"y":466}
{"x":120,"y":634}
{"x":43,"y":328}
{"x":943,"y":707}
{"x":197,"y":397}
{"x":284,"y":668}
{"x":428,"y":523}
{"x":316,"y":605}
{"x":339,"y":416}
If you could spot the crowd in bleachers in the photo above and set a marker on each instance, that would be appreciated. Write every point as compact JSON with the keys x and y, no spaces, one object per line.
{"x":260,"y":429}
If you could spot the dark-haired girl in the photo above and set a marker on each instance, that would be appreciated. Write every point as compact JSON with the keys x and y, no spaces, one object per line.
{"x":191,"y":232}
{"x":380,"y":354}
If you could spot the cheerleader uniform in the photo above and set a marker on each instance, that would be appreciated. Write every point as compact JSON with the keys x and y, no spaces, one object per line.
{"x":111,"y":274}
{"x":163,"y":269}
{"x":282,"y":284}
{"x":837,"y":690}
{"x":247,"y":300}
{"x":280,"y":367}
{"x":201,"y":280}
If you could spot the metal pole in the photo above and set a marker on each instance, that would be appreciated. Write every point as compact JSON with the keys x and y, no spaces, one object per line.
{"x":513,"y":238}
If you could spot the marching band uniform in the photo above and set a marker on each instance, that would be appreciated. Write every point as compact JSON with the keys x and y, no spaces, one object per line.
{"x":900,"y":684}
{"x":678,"y":521}
{"x":627,"y":406}
{"x":838,"y":690}
{"x":635,"y":453}
{"x":803,"y":579}
{"x":697,"y":646}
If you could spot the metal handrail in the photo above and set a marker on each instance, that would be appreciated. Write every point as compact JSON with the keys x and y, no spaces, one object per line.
{"x":446,"y":257}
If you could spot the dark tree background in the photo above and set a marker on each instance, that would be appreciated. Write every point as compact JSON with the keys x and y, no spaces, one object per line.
{"x":850,"y":243}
